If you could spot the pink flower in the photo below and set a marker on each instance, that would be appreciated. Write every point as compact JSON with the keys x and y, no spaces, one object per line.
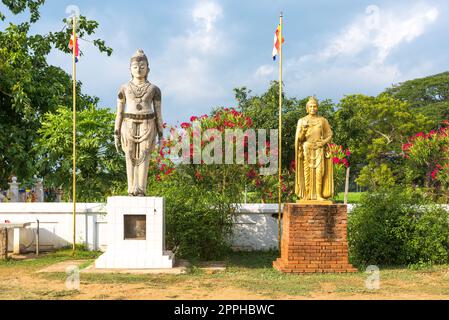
{"x":345,"y":162}
{"x":336,"y":160}
{"x":348,"y":153}
{"x":193,"y":118}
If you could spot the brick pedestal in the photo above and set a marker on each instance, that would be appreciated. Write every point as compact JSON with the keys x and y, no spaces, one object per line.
{"x":314,"y":239}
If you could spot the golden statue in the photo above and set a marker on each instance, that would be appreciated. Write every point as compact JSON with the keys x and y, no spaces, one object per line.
{"x":314,"y":181}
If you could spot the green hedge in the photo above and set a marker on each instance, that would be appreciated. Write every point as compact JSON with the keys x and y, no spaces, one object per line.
{"x":398,"y":227}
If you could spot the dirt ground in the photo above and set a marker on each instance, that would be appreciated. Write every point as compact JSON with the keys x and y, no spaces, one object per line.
{"x":236,"y":283}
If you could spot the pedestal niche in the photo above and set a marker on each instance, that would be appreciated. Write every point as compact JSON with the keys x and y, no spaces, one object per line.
{"x":314,"y":239}
{"x":136,"y":235}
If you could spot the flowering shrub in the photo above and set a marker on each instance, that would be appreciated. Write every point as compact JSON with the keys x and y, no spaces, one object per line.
{"x":340,"y":158}
{"x":427,"y":159}
{"x":200,"y":198}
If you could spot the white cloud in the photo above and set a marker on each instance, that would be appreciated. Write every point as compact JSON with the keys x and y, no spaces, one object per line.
{"x":190,"y":58}
{"x":381,"y":30}
{"x":357,"y":58}
{"x":265,"y":71}
{"x":206,"y":13}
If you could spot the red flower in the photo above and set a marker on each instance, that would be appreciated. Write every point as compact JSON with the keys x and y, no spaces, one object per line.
{"x":348,"y":153}
{"x":198,"y":175}
{"x":406,"y":147}
{"x":293,"y":166}
{"x":251,"y":174}
{"x":420,"y":135}
{"x":345,"y":162}
{"x":158,"y":177}
{"x":193,"y":118}
{"x":434,"y":174}
{"x":336,"y":160}
{"x":185,"y":125}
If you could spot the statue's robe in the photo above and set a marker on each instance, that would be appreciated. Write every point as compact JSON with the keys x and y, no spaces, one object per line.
{"x":139,"y":130}
{"x":323,"y":163}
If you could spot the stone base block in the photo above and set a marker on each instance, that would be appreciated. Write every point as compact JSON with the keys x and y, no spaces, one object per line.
{"x":314,"y":239}
{"x":137,"y":235}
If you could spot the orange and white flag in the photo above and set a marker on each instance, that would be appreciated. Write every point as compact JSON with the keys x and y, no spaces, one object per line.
{"x":277,"y":42}
{"x":74,"y":47}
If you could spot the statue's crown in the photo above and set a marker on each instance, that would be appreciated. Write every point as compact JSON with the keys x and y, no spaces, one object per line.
{"x":312,"y":99}
{"x":139,"y":56}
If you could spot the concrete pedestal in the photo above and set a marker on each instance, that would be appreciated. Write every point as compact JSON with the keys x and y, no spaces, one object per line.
{"x":136,"y":235}
{"x":314,"y":239}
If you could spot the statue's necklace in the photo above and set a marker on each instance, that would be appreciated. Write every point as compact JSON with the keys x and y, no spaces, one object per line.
{"x":313,"y":122}
{"x":138,"y":92}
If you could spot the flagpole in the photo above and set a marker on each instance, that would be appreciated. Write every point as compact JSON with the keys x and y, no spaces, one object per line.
{"x":280,"y":134}
{"x":74,"y":132}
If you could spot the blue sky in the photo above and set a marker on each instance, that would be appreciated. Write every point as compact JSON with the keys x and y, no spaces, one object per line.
{"x":200,"y":50}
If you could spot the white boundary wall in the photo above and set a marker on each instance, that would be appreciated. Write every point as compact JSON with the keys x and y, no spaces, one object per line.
{"x":255,"y":225}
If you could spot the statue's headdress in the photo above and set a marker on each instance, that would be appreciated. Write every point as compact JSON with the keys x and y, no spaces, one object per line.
{"x":312,"y":99}
{"x":139,"y":56}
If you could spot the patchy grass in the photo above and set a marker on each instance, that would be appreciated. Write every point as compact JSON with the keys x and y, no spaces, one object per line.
{"x":46,"y":259}
{"x":250,"y":274}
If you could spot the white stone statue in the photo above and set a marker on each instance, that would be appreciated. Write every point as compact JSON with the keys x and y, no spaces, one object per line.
{"x":14,"y":190}
{"x":136,"y":127}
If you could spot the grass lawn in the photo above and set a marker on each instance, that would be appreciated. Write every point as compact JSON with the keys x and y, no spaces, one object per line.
{"x":353,"y":197}
{"x":248,"y":276}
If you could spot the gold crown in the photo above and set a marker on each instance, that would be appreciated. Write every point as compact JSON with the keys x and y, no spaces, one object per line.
{"x":312,"y":99}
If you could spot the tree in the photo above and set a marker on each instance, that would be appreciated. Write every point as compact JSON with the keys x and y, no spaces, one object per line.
{"x":264,"y":110}
{"x":100,"y":169}
{"x":429,"y":96}
{"x":374,"y":129}
{"x":29,"y":87}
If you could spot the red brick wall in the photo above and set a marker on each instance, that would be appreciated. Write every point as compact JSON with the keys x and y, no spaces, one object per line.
{"x":314,"y":239}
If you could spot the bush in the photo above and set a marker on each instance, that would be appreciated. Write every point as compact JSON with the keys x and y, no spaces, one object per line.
{"x":398,"y":227}
{"x":198,"y":221}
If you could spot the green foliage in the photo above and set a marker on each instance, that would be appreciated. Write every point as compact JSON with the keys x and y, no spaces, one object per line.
{"x":264,"y":110}
{"x":198,"y":220}
{"x":398,"y":226}
{"x":374,"y":129}
{"x":429,"y":95}
{"x":29,"y":87}
{"x":200,"y":197}
{"x":100,"y":168}
{"x":427,"y":162}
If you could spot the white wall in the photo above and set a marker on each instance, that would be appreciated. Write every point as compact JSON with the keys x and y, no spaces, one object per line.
{"x":255,"y":227}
